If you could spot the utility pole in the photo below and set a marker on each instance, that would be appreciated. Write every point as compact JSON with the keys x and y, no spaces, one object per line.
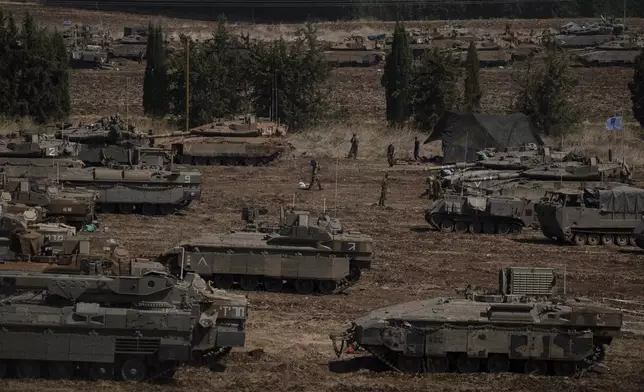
{"x":127,"y":104}
{"x":187,"y":84}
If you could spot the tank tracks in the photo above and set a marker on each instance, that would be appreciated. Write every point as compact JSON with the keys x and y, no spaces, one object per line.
{"x":594,"y":238}
{"x":461,"y":363}
{"x":465,"y":224}
{"x":301,"y":286}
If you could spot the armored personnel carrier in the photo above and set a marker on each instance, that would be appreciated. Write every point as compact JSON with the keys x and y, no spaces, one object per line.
{"x":312,"y":256}
{"x":136,"y":328}
{"x":148,"y":192}
{"x":521,"y":326}
{"x":480,"y":214}
{"x":244,"y":142}
{"x":592,"y":216}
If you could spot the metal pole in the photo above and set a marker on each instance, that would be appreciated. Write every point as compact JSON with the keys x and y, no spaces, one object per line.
{"x":187,"y":84}
{"x":337,"y":165}
{"x":127,"y":104}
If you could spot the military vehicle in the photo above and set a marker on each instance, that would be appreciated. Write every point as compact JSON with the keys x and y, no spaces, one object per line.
{"x":638,"y":235}
{"x":149,"y":192}
{"x":240,"y":142}
{"x":521,"y":326}
{"x":312,"y":256}
{"x":480,"y":214}
{"x":354,"y":52}
{"x":592,"y":216}
{"x":137,"y":328}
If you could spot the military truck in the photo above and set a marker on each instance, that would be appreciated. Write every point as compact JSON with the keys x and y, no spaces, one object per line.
{"x":480,"y":214}
{"x":522,"y":326}
{"x":136,"y":328}
{"x":592,"y":216}
{"x":149,"y":192}
{"x":312,"y":256}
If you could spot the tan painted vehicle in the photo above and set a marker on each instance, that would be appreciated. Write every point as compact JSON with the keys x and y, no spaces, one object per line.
{"x":313,"y":256}
{"x":521,"y":326}
{"x":592,"y":216}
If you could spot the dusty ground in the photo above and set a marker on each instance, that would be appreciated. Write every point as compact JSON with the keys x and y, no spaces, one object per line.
{"x":411,"y":263}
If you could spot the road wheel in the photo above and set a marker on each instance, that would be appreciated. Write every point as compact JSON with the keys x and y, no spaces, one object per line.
{"x":475,"y":227}
{"x":498,"y":363}
{"x":536,"y":367}
{"x":447,"y":226}
{"x":133,"y":370}
{"x":503,"y":228}
{"x":273,"y":285}
{"x":408,"y":364}
{"x":593,"y":239}
{"x":101,"y":371}
{"x":224,"y":282}
{"x":621,"y":240}
{"x":60,"y":370}
{"x":304,"y":286}
{"x":607,"y":239}
{"x":437,"y":365}
{"x":564,"y":368}
{"x":633,"y":241}
{"x":327,"y":287}
{"x":126,"y":208}
{"x":489,"y":228}
{"x":579,"y":239}
{"x":460,"y":227}
{"x":148,"y":209}
{"x":465,"y":364}
{"x":248,"y":282}
{"x":28,"y":369}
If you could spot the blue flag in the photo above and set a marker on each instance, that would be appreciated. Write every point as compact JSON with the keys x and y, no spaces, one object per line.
{"x":614,"y":124}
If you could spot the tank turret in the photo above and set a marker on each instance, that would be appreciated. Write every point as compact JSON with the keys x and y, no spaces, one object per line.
{"x":522,"y":325}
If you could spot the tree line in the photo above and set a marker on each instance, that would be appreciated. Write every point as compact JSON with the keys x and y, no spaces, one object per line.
{"x":34,"y":79}
{"x":288,"y":11}
{"x":229,"y":75}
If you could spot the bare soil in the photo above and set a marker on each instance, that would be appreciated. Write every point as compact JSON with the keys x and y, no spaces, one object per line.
{"x":411,"y":262}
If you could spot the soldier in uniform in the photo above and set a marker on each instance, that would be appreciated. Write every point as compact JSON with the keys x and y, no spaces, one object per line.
{"x":315,"y":175}
{"x":437,"y":188}
{"x":140,"y":56}
{"x":416,"y":148}
{"x":353,"y":152}
{"x":390,"y":155}
{"x":429,"y":192}
{"x":383,"y":190}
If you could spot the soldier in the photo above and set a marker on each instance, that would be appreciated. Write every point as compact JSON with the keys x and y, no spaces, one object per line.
{"x":416,"y":148}
{"x":390,"y":155}
{"x":429,"y":192}
{"x":383,"y":190}
{"x":315,"y":175}
{"x":140,"y":56}
{"x":437,"y":188}
{"x":47,"y":249}
{"x":150,"y":139}
{"x":353,"y":152}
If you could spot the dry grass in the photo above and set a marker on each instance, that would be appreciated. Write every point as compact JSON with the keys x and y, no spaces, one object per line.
{"x":333,"y":141}
{"x":9,"y":125}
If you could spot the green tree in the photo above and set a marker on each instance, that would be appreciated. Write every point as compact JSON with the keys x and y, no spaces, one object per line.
{"x":435,"y":88}
{"x":155,"y":82}
{"x":472,"y":91}
{"x":545,"y":94}
{"x":636,"y":86}
{"x":397,"y":76}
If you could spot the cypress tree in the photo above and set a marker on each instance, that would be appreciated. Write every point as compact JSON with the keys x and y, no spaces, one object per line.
{"x":472,"y":84}
{"x":396,"y":78}
{"x":637,"y":88}
{"x":155,"y":82}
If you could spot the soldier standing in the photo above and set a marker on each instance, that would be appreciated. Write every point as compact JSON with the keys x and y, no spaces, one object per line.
{"x":353,"y":152}
{"x":430,"y":188}
{"x":140,"y":56}
{"x":437,"y":189}
{"x":383,"y":190}
{"x":315,"y":175}
{"x":47,"y":249}
{"x":416,"y":148}
{"x":390,"y":155}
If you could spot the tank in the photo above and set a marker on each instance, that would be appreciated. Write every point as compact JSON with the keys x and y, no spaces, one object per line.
{"x":135,"y":328}
{"x":592,"y":216}
{"x":354,"y":52}
{"x":523,"y":326}
{"x":149,"y":192}
{"x":240,"y":142}
{"x":313,"y":256}
{"x":480,"y":214}
{"x":124,"y":157}
{"x":638,"y":235}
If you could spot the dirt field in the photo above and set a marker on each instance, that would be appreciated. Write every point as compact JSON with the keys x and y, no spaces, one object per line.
{"x":411,"y":263}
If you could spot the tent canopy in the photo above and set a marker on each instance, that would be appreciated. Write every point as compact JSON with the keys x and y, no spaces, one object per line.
{"x":463,"y":134}
{"x":622,"y":199}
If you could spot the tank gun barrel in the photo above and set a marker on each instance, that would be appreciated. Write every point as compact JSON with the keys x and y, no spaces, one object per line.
{"x":460,"y":165}
{"x":90,"y":288}
{"x":481,"y":175}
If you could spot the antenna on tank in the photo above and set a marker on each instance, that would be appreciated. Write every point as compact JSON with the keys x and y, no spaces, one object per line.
{"x":467,"y":135}
{"x":565,"y":276}
{"x":293,"y":205}
{"x":337,"y":164}
{"x":324,"y":206}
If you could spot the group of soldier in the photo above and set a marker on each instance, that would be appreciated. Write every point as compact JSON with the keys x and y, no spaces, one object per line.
{"x":434,"y":185}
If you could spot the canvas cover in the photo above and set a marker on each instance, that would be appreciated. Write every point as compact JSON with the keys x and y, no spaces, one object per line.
{"x":477,"y":203}
{"x":621,"y":199}
{"x":464,"y":134}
